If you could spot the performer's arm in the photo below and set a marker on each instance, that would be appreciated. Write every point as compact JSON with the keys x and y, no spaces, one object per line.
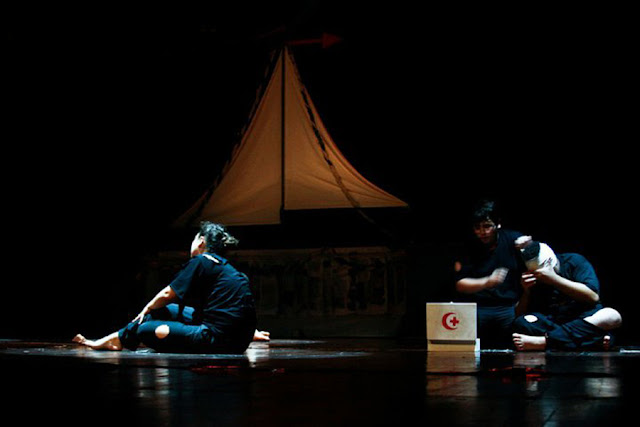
{"x":576,"y":290}
{"x":162,"y":298}
{"x":470,"y":285}
{"x":527,"y":280}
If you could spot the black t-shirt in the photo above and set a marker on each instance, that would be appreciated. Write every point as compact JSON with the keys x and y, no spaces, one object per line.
{"x":219,"y":293}
{"x":481,"y":262}
{"x":562,"y":308}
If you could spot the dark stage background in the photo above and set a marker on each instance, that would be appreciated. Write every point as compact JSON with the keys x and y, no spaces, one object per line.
{"x":119,"y":119}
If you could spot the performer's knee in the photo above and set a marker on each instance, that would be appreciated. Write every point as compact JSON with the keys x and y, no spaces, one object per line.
{"x":162,"y":331}
{"x":606,"y":318}
{"x":614,"y":317}
{"x":524,"y":323}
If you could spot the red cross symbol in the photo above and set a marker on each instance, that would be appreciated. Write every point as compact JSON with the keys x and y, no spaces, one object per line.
{"x":450,"y":321}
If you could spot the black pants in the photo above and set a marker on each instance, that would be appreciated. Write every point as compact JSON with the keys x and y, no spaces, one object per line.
{"x":494,"y":326}
{"x":576,"y":334}
{"x":185,"y":336}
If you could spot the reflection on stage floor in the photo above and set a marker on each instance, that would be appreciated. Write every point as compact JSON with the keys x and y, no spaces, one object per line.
{"x":318,"y":382}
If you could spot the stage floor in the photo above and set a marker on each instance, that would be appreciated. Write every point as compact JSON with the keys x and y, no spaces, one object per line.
{"x":319,"y":382}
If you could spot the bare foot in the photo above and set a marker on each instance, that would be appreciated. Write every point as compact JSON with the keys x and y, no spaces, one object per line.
{"x":529,"y":343}
{"x":606,"y":343}
{"x":261,"y":336}
{"x":110,"y":342}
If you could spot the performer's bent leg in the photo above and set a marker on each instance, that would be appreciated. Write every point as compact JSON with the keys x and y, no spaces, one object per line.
{"x":131,"y":336}
{"x":531,"y":330}
{"x":578,"y":334}
{"x":127,"y":336}
{"x":536,"y":332}
{"x":174,"y":312}
{"x":533,"y":324}
{"x":169,"y":330}
{"x":176,"y":337}
{"x":606,"y":318}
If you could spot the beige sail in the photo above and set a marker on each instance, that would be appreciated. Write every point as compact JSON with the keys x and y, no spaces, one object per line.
{"x":316,"y":174}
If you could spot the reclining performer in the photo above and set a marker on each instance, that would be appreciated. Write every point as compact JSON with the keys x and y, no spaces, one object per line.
{"x":561,"y":297}
{"x":207,"y":308}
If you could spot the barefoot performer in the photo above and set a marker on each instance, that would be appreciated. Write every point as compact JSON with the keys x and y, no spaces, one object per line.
{"x":207,"y":308}
{"x":562,"y":302}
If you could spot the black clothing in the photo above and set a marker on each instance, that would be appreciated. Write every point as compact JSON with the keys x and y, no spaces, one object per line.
{"x":494,"y":326}
{"x":219,"y":294}
{"x":558,"y":306}
{"x":496,"y":305}
{"x":572,"y":335}
{"x":559,"y":317}
{"x":215,"y":314}
{"x":481,"y":262}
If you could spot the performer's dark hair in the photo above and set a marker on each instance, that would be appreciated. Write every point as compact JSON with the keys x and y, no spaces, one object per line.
{"x":531,"y":251}
{"x":486,"y":210}
{"x":216,"y":236}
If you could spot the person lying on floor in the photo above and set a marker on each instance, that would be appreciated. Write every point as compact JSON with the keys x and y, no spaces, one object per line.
{"x":562,"y":302}
{"x":207,"y":308}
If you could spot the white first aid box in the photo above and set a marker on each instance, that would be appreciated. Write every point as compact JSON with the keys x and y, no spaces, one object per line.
{"x":452,"y":326}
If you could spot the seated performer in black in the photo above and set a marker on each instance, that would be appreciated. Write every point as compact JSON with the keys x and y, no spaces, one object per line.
{"x":207,"y":308}
{"x":489,"y":275}
{"x":561,"y":297}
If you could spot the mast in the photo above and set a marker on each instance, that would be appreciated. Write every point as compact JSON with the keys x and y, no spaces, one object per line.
{"x":282,"y":133}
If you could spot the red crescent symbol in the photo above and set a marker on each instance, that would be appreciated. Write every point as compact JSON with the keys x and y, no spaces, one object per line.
{"x":446,"y":324}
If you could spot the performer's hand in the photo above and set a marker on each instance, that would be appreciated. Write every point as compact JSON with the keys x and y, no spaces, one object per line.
{"x":527,"y":280}
{"x":140,"y":317}
{"x":497,"y":277}
{"x":546,"y":275}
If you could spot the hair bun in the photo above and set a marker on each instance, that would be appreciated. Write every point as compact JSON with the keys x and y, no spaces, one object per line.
{"x":228,"y":240}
